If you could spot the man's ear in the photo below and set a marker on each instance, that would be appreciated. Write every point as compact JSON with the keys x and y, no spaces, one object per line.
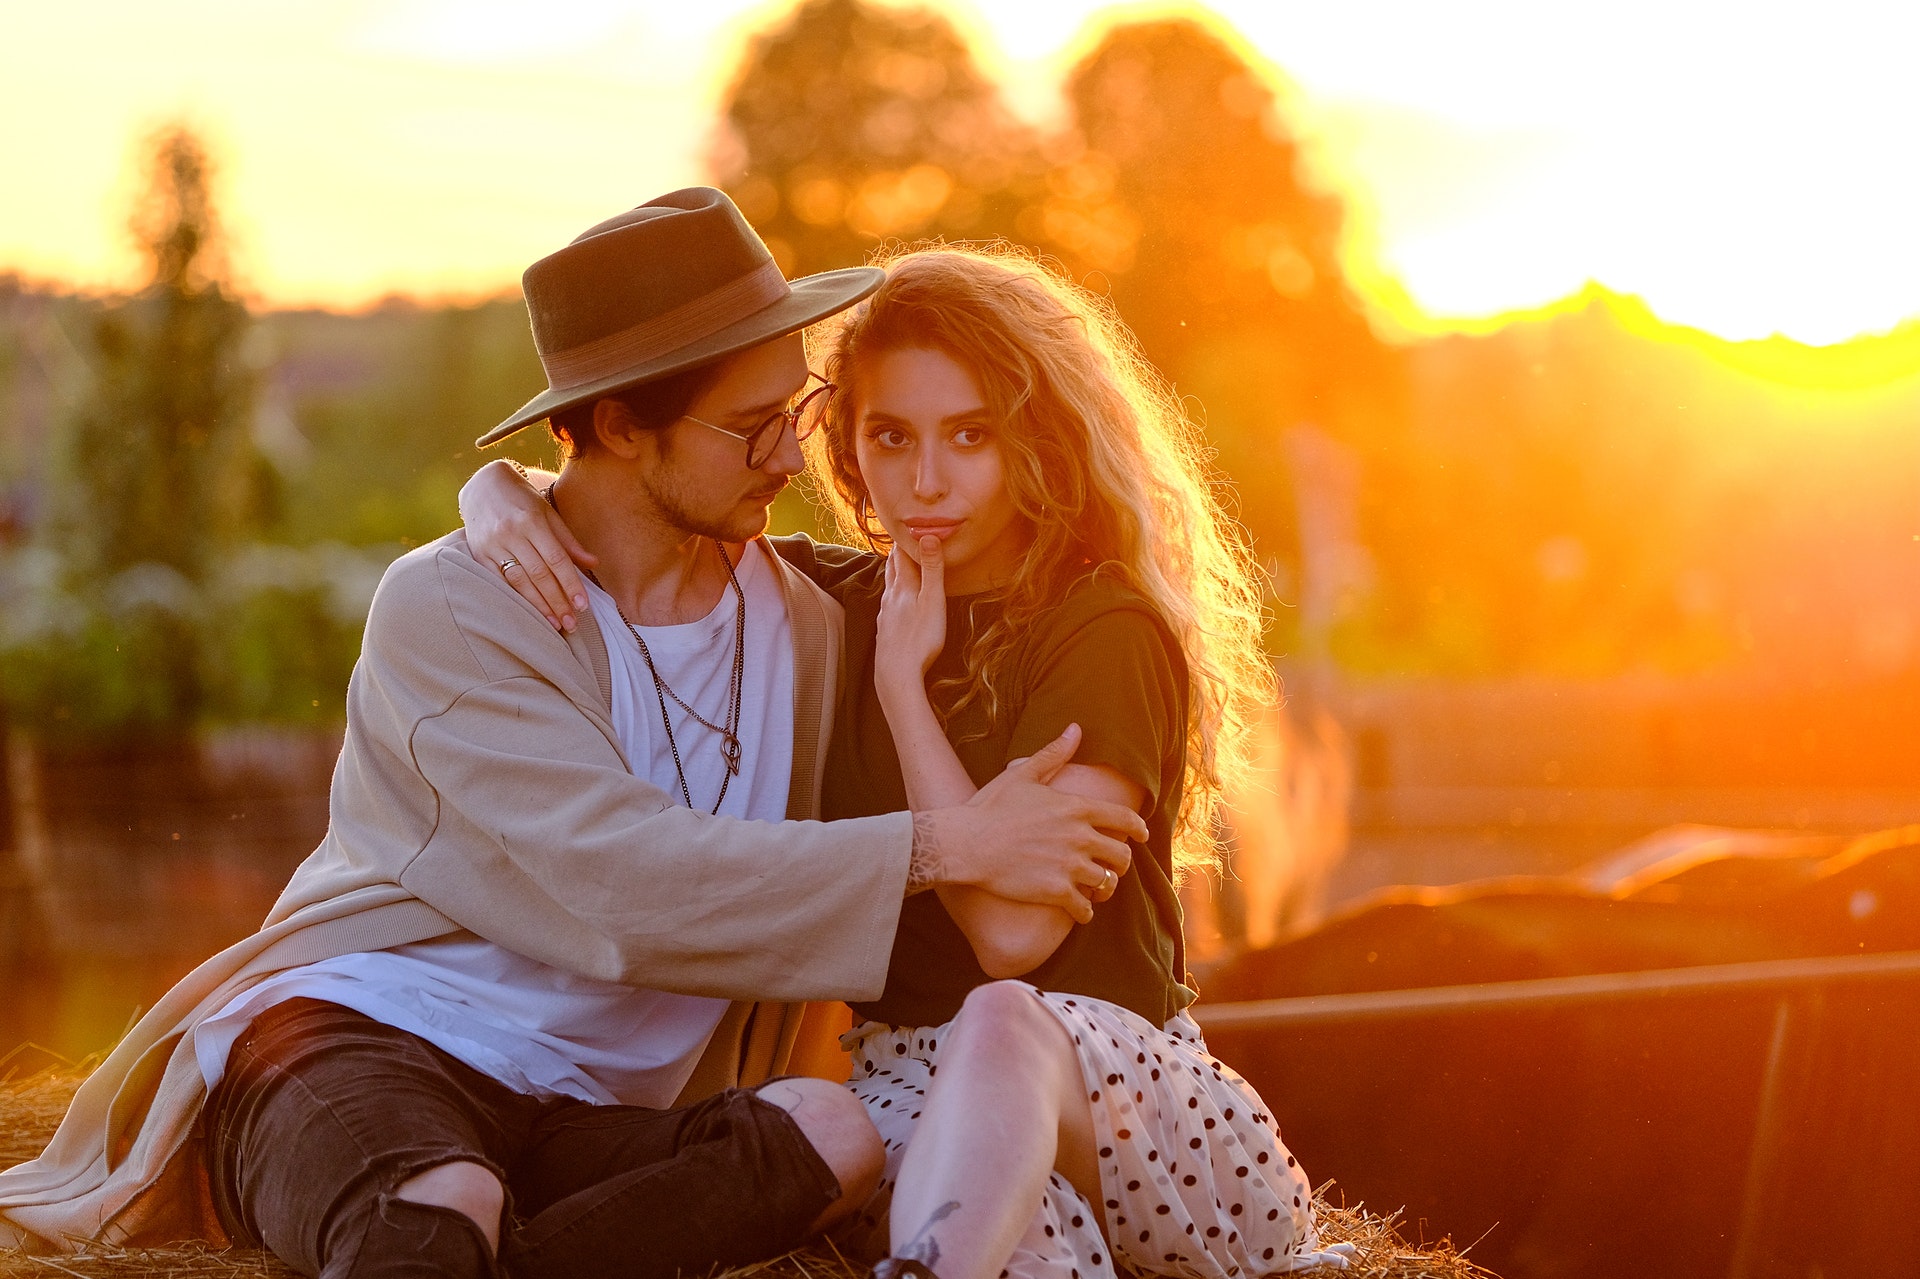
{"x":617,"y":429}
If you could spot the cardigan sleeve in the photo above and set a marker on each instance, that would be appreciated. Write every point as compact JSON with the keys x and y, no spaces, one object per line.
{"x":539,"y":839}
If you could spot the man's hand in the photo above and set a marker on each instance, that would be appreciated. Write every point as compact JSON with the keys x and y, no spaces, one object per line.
{"x":1019,"y":838}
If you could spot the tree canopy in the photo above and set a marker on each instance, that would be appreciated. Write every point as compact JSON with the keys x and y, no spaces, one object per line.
{"x":852,"y":124}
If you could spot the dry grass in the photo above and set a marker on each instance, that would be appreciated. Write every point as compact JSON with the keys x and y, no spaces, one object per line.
{"x":31,"y":1105}
{"x":35,"y":1086}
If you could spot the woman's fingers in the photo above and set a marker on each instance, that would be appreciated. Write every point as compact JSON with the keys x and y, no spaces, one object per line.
{"x":520,"y":578}
{"x":567,"y":579}
{"x":560,"y":583}
{"x":547,"y":592}
{"x":932,"y":563}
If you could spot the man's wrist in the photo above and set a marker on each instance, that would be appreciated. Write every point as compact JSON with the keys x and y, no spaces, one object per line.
{"x":927,"y":865}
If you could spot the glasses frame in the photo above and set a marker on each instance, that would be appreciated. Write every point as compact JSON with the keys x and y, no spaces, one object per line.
{"x":765,"y":438}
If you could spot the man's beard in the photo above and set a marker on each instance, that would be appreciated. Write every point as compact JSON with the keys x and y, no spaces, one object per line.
{"x":675,"y":506}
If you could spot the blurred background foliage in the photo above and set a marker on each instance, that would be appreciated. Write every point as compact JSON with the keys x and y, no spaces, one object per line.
{"x":195,"y":501}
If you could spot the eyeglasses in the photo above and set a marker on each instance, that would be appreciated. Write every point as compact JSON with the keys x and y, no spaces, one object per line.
{"x":804,"y":417}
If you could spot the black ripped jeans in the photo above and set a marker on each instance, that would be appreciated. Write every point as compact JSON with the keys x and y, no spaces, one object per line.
{"x":324,"y":1112}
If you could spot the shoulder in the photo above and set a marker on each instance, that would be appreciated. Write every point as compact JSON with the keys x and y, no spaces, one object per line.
{"x":1102,"y":630}
{"x":839,"y":570}
{"x":1100,"y":602}
{"x":434,"y":583}
{"x":412,"y":595}
{"x":438,"y":607}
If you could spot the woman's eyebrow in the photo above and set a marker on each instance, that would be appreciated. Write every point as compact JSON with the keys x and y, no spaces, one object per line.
{"x":881,"y":415}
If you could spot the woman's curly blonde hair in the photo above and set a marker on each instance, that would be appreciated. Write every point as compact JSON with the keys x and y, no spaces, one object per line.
{"x":1103,"y":464}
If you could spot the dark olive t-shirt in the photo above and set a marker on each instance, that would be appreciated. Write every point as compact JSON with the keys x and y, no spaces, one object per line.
{"x":1103,"y":659}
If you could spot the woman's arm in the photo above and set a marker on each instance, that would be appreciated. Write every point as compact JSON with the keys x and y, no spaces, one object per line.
{"x":509,"y":523}
{"x":1008,"y":938}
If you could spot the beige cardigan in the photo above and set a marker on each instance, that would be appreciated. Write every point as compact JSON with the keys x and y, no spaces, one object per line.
{"x":481,"y":788}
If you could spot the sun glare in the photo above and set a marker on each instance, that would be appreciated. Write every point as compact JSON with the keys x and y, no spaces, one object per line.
{"x":1744,"y":171}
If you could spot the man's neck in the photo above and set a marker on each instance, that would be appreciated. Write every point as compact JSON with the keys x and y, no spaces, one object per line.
{"x":656,"y":571}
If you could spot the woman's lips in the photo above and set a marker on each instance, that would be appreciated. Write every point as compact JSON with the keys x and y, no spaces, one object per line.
{"x":942,"y":529}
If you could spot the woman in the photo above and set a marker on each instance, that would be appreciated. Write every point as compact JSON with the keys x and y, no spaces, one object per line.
{"x":1055,"y":558}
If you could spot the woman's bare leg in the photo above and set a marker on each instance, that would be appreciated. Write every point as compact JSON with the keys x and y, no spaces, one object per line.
{"x":1006,"y":1108}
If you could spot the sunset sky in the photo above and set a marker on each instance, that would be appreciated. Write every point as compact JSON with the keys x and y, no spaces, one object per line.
{"x":1746,"y":168}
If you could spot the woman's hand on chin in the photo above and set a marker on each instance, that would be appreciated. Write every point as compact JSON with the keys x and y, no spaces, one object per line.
{"x":510,"y":526}
{"x":912,"y":626}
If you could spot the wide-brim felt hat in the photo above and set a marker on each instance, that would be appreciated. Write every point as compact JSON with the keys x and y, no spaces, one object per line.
{"x":678,"y":282}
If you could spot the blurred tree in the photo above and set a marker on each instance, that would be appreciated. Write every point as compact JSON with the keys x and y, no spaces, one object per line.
{"x":1183,"y":190}
{"x":161,"y":467}
{"x":1185,"y":187}
{"x":156,"y":470}
{"x":387,"y":405}
{"x":851,"y":124}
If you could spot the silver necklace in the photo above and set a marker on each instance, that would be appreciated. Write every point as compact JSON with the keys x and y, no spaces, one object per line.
{"x":736,"y":682}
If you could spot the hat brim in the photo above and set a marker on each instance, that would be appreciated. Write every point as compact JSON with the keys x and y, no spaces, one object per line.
{"x":812,"y":298}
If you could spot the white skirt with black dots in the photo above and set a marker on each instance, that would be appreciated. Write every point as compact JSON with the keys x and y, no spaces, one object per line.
{"x":1194,"y":1178}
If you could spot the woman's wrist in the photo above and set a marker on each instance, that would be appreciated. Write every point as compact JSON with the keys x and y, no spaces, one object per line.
{"x":902,"y":692}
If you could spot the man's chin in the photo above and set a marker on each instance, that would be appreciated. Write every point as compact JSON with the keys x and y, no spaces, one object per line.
{"x":743,"y":526}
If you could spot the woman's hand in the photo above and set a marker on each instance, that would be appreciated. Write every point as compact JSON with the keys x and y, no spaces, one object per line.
{"x":913,"y":619}
{"x":511,"y":526}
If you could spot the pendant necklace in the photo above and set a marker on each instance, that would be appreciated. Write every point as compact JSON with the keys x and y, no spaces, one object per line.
{"x":730,"y":732}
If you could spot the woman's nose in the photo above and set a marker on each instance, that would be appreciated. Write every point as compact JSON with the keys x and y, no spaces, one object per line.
{"x":929,"y":475}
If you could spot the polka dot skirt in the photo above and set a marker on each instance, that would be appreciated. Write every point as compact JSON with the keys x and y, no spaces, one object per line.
{"x":1194,"y":1179}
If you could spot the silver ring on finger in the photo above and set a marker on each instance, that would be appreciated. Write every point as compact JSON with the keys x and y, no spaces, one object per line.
{"x":508,"y":563}
{"x":1108,"y":882}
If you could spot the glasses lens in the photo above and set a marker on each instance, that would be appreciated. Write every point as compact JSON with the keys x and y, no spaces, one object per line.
{"x":765,"y":439}
{"x":811,"y":411}
{"x":805,"y":417}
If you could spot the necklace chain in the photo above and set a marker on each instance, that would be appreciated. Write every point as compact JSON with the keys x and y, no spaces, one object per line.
{"x":730,"y":732}
{"x":736,"y":682}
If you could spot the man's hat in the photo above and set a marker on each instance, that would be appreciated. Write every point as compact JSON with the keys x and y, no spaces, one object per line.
{"x":679,"y":282}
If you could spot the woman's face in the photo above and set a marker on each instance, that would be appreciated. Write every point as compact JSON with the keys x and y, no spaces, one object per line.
{"x":929,"y":454}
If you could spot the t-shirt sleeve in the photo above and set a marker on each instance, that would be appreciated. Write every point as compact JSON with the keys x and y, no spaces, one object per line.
{"x":1115,"y":677}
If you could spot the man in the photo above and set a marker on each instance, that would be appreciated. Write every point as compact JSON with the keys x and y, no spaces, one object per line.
{"x":495,"y":1017}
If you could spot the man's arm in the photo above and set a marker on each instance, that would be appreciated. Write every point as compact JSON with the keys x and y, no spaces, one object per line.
{"x":531,"y":832}
{"x":507,"y":519}
{"x":1020,"y":837}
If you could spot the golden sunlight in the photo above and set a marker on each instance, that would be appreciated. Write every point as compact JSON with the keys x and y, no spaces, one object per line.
{"x":1741,"y":169}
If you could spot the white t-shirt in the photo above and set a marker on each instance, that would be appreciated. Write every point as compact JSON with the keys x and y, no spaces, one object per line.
{"x":538,"y":1029}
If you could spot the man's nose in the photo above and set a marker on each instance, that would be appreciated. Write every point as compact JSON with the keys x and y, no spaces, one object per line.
{"x":787,"y":458}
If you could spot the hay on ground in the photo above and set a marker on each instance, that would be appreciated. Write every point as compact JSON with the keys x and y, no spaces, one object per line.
{"x":31,"y":1106}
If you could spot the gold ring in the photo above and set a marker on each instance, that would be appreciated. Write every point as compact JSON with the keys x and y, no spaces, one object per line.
{"x":508,"y":563}
{"x":1107,"y":885}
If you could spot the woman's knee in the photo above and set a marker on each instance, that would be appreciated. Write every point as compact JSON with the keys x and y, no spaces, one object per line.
{"x":836,"y":1125}
{"x":1008,"y":1017}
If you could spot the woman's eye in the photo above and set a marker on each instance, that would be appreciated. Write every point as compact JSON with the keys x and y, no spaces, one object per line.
{"x":970,"y":436}
{"x":888,"y":437}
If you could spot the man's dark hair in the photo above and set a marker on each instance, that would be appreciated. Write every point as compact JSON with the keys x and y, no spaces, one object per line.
{"x":653,"y":404}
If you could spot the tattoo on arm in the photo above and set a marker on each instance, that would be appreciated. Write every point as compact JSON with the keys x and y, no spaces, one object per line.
{"x":923,"y":1247}
{"x":926,"y":867}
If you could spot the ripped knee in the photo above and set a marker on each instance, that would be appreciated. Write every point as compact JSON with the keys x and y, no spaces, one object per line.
{"x":467,"y":1188}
